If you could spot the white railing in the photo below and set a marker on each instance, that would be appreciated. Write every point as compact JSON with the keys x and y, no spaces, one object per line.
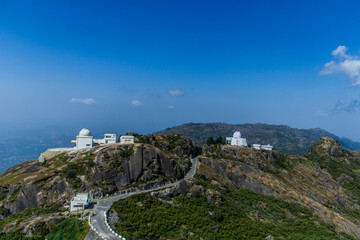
{"x":111,"y":230}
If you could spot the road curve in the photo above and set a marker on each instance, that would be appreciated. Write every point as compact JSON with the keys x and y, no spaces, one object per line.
{"x":104,"y":205}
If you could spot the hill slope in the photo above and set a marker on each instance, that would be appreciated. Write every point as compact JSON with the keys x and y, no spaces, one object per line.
{"x":241,"y":193}
{"x":236,"y":193}
{"x":282,"y":137}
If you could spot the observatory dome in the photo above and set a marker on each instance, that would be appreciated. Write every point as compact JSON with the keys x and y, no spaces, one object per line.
{"x":85,"y":132}
{"x":237,"y":134}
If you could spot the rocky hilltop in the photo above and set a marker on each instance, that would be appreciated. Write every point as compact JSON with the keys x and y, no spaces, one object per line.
{"x":282,"y":137}
{"x":265,"y":194}
{"x":102,"y":170}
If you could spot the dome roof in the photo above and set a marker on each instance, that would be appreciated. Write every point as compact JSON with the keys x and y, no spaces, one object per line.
{"x":85,"y":132}
{"x":237,"y":134}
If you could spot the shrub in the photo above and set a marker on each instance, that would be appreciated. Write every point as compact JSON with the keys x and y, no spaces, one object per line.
{"x":126,"y":152}
{"x":71,"y":170}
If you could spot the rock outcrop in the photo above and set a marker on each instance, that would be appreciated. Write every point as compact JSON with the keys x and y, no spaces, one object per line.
{"x":101,"y":171}
{"x":328,"y":146}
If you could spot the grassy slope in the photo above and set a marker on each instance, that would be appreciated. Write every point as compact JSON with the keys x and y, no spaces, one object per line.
{"x":68,"y":229}
{"x":242,"y":215}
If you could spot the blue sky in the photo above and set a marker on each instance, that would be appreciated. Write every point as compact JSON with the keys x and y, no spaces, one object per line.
{"x":146,"y":65}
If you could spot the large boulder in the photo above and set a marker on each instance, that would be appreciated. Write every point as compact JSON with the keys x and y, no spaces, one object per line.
{"x":327,"y":146}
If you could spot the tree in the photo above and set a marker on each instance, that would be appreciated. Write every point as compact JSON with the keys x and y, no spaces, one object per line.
{"x":220,"y":140}
{"x":210,"y":141}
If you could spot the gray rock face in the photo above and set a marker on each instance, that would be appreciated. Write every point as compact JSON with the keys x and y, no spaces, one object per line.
{"x":26,"y":198}
{"x":235,"y":172}
{"x":113,"y":218}
{"x":96,"y":194}
{"x":60,"y":190}
{"x":145,"y":163}
{"x":183,"y":187}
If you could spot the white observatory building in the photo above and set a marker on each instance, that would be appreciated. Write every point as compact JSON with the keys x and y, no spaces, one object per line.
{"x":86,"y":140}
{"x":236,"y":140}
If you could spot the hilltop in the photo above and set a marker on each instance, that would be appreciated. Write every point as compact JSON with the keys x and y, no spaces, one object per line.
{"x":282,"y":137}
{"x":236,"y":193}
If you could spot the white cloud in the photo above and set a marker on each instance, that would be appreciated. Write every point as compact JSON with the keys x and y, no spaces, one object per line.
{"x":347,"y":106}
{"x":171,"y":107}
{"x":83,"y":100}
{"x":341,"y":106}
{"x":176,"y":92}
{"x":321,"y":113}
{"x":340,"y":51}
{"x":344,"y":63}
{"x":136,"y":103}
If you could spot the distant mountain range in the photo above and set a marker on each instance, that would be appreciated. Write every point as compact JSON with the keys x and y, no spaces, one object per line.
{"x":282,"y":137}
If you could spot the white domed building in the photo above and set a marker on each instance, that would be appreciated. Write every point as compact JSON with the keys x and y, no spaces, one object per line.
{"x":236,"y":140}
{"x":86,"y":140}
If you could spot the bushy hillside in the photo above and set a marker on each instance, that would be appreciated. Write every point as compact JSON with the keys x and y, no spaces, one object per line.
{"x":282,"y":137}
{"x":241,"y":193}
{"x":240,"y":214}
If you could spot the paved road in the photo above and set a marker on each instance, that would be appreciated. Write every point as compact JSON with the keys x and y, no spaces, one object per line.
{"x":104,"y":204}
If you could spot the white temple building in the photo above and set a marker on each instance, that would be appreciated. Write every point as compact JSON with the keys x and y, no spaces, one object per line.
{"x":79,"y":202}
{"x":86,"y":140}
{"x":236,"y":140}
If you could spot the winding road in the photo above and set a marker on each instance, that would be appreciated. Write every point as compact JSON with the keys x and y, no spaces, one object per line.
{"x":104,"y":205}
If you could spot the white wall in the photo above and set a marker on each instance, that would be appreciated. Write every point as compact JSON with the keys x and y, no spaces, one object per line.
{"x":127,"y":139}
{"x":84,"y":142}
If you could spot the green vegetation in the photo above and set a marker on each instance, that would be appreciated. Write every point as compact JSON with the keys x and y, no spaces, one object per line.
{"x":344,"y":171}
{"x":126,"y":152}
{"x":283,"y":160}
{"x":166,"y":143}
{"x":218,"y":140}
{"x":69,"y":228}
{"x":59,"y":160}
{"x":44,"y":163}
{"x":66,"y":229}
{"x":243,"y":214}
{"x":4,"y":211}
{"x":71,"y":170}
{"x":54,"y":208}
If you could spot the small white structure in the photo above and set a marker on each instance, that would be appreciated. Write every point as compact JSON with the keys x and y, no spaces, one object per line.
{"x":126,"y":139}
{"x":85,"y":139}
{"x":109,"y":138}
{"x":267,"y":147}
{"x":79,"y":202}
{"x":256,"y":146}
{"x":236,"y":140}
